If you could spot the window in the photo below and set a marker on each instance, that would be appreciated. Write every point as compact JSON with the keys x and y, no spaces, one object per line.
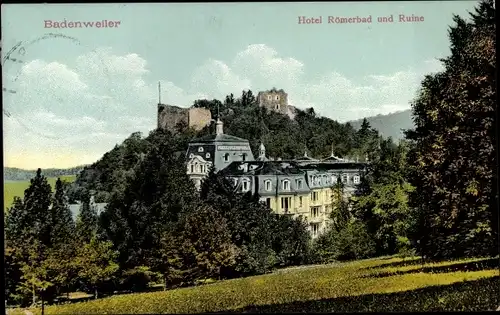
{"x":191,"y":156}
{"x":344,"y":178}
{"x":286,"y":203}
{"x":245,"y":186}
{"x":235,"y":181}
{"x":314,"y":195}
{"x":269,"y":97}
{"x":277,"y":97}
{"x":268,"y":202}
{"x":277,"y":107}
{"x":226,"y":157}
{"x":267,"y":184}
{"x":286,"y":184}
{"x":244,"y":156}
{"x":334,"y":179}
{"x":356,"y":179}
{"x":314,"y":229}
{"x":300,"y":201}
{"x":202,"y":168}
{"x":298,"y":182}
{"x":314,"y":212}
{"x":192,"y":168}
{"x":200,"y":149}
{"x":207,"y":155}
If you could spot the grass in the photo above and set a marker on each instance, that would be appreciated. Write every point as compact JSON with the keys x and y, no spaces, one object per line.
{"x":383,"y":285}
{"x":12,"y":189}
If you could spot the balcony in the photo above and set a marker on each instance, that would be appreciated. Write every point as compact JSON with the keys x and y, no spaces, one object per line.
{"x":316,"y":219}
{"x":288,"y":211}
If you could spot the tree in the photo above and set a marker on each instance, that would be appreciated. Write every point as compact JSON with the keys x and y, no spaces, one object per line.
{"x":155,"y":196}
{"x":291,"y":241}
{"x":86,"y":221}
{"x":206,"y":246}
{"x":62,"y":220}
{"x":250,"y":223}
{"x":453,"y":160}
{"x":97,"y":263}
{"x":340,"y":214}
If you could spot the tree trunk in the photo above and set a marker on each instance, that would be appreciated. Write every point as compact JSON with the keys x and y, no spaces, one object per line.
{"x":43,"y":304}
{"x":95,"y":293}
{"x":34,"y":295}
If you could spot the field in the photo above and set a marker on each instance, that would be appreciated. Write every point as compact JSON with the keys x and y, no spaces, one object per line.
{"x":375,"y":285}
{"x":12,"y":189}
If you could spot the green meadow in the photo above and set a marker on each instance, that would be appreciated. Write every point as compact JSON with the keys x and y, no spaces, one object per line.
{"x":374,"y":285}
{"x":12,"y":189}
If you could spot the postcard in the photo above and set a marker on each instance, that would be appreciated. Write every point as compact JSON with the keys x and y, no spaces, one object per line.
{"x":268,"y":157}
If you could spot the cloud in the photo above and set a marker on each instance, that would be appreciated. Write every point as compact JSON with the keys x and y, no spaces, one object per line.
{"x":74,"y":114}
{"x":333,"y":94}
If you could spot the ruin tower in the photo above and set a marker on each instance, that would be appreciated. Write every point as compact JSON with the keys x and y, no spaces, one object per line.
{"x":275,"y":100}
{"x":169,"y":116}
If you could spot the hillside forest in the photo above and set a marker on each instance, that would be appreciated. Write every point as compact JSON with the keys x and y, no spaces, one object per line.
{"x":433,"y":194}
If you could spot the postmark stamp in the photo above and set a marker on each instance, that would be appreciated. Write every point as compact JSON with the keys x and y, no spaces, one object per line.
{"x":16,"y":57}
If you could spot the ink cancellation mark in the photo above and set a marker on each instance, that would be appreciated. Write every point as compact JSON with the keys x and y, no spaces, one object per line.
{"x":400,"y":18}
{"x":15,"y":55}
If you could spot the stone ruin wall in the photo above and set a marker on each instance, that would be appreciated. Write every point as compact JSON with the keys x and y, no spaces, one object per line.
{"x":198,"y":118}
{"x":169,"y":116}
{"x":268,"y":99}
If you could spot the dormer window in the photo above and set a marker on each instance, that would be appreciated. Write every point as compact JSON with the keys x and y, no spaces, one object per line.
{"x":200,"y":149}
{"x":207,"y":155}
{"x":356,"y":179}
{"x":244,"y":156}
{"x":191,"y":156}
{"x":268,"y":185}
{"x":226,"y":157}
{"x":269,"y":97}
{"x":344,"y":179}
{"x":334,"y":179}
{"x":286,"y":184}
{"x":192,"y":168}
{"x":299,"y":183}
{"x":277,"y":97}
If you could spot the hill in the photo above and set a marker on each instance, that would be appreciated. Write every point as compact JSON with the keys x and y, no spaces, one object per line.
{"x":390,"y":125}
{"x":283,"y":138}
{"x":374,"y":285}
{"x":17,"y":174}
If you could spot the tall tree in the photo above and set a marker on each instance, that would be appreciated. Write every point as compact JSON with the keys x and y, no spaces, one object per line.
{"x":454,"y":161}
{"x":86,"y":221}
{"x":62,"y":221}
{"x":156,"y":195}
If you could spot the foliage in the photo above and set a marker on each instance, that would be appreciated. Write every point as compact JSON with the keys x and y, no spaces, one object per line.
{"x":453,"y":158}
{"x":153,"y":198}
{"x":205,"y":244}
{"x":349,"y":242}
{"x":96,"y":263}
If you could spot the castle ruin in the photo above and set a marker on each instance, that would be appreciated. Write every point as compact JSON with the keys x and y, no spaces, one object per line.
{"x":277,"y":101}
{"x":169,"y":116}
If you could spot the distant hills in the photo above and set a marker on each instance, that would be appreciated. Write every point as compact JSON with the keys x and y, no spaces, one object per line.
{"x":17,"y":174}
{"x":390,"y":125}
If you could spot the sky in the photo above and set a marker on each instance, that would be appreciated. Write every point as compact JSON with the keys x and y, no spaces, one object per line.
{"x":71,"y":94}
